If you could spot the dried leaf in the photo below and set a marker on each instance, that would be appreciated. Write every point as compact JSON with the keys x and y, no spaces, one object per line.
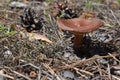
{"x":108,"y":25}
{"x":36,"y":36}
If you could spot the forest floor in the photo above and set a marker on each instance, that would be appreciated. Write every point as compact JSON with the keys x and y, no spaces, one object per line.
{"x":32,"y":47}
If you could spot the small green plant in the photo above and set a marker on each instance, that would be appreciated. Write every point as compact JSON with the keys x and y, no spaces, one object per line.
{"x":88,"y":5}
{"x":118,"y":1}
{"x":8,"y":1}
{"x":6,"y":31}
{"x":98,"y":1}
{"x":2,"y":28}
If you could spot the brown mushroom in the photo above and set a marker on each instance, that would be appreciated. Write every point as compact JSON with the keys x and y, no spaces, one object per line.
{"x":79,"y":27}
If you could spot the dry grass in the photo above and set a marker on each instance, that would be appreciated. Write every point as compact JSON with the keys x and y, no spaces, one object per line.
{"x":48,"y":60}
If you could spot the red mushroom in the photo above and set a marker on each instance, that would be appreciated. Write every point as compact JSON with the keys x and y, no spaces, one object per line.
{"x":79,"y":27}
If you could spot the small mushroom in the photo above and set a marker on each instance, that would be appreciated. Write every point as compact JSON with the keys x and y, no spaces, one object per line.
{"x":79,"y":27}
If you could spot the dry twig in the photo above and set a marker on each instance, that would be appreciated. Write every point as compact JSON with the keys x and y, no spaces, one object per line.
{"x":22,"y":75}
{"x":51,"y":71}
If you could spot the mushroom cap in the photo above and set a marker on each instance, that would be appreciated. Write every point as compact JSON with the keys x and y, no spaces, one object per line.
{"x":79,"y":25}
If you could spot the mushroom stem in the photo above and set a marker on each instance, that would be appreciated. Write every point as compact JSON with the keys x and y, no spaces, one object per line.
{"x":78,"y":40}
